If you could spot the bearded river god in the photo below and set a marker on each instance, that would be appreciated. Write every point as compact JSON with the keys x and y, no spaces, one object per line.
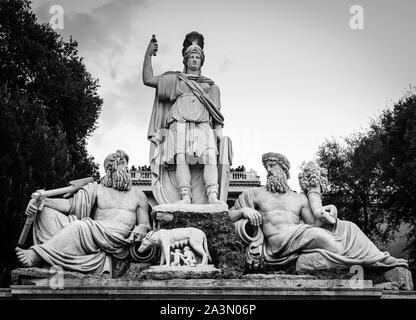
{"x":285,"y":226}
{"x":83,"y":233}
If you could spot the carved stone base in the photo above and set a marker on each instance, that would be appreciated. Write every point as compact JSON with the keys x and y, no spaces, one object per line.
{"x":181,"y":272}
{"x":43,"y":276}
{"x":302,"y":281}
{"x":226,"y":249}
{"x":135,"y":271}
{"x":401,"y":276}
{"x":35,"y":283}
{"x":391,"y":286}
{"x":397,"y":277}
{"x":165,"y":212}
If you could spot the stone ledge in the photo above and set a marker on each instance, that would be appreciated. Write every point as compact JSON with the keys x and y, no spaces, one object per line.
{"x":43,"y":273}
{"x":181,"y":272}
{"x":6,"y":294}
{"x":397,"y":277}
{"x":160,"y":277}
{"x":165,"y":212}
{"x":190,"y":208}
{"x":196,"y":291}
{"x":279,"y":275}
{"x":253,"y":286}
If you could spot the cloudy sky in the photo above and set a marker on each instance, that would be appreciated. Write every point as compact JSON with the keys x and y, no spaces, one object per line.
{"x":291,"y":73}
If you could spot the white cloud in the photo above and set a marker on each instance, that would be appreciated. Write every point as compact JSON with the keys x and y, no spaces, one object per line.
{"x":291,"y":73}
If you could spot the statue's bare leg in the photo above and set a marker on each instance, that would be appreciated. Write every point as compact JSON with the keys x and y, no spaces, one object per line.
{"x":211,"y":181}
{"x":28,"y":258}
{"x":322,"y":239}
{"x":183,"y":177}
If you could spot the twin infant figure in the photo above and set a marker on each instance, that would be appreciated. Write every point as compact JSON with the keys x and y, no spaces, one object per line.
{"x":187,"y":257}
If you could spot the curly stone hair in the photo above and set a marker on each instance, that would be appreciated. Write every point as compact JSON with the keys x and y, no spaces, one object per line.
{"x":119,"y":179}
{"x":312,"y":176}
{"x":113,"y":159}
{"x":280,"y":159}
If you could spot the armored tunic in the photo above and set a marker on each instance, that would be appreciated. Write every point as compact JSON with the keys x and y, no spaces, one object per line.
{"x":189,"y":122}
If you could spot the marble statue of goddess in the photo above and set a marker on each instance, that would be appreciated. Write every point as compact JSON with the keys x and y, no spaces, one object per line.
{"x":185,"y":127}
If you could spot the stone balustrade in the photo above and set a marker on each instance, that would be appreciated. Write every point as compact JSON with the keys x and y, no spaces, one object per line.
{"x":145,"y":176}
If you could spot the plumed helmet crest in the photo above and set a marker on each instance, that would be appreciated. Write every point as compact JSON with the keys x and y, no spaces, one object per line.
{"x":193,"y":38}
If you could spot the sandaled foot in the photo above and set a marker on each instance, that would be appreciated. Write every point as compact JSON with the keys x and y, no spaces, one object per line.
{"x":185,"y":193}
{"x":28,"y":258}
{"x":212,"y":199}
{"x":185,"y":200}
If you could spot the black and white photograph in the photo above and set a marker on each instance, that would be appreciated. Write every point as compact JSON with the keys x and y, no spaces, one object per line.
{"x":208,"y":155}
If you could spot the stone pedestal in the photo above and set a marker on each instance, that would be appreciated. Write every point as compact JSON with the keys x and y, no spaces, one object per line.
{"x":226,"y":249}
{"x":398,"y":278}
{"x":165,"y":212}
{"x":400,"y":275}
{"x":36,"y":283}
{"x":181,"y":272}
{"x":44,"y":276}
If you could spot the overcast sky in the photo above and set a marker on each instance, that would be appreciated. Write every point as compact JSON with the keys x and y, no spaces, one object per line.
{"x":291,"y":73}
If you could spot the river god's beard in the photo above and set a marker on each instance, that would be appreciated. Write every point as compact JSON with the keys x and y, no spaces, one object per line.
{"x":119,"y":179}
{"x":277,"y":183}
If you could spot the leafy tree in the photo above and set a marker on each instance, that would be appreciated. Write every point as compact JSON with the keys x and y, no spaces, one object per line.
{"x":354,"y":175}
{"x":48,"y":107}
{"x":397,"y":131}
{"x":373,"y":174}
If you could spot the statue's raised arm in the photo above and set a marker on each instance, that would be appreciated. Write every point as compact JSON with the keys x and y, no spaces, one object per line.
{"x":147,"y":73}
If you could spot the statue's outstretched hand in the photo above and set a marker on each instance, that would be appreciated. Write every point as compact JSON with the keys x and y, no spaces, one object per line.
{"x":329,"y":214}
{"x":138,"y":233}
{"x":252,"y":215}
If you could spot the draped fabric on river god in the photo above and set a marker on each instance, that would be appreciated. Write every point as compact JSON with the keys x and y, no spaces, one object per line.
{"x":77,"y":242}
{"x":173,"y":120}
{"x":357,"y":247}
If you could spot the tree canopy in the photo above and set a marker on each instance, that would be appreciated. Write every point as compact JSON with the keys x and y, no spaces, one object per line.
{"x":372,"y":174}
{"x":48,"y":108}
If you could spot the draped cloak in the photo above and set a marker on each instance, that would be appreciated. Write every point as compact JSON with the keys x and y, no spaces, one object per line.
{"x":358,"y":249}
{"x":77,"y":242}
{"x":165,"y":188}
